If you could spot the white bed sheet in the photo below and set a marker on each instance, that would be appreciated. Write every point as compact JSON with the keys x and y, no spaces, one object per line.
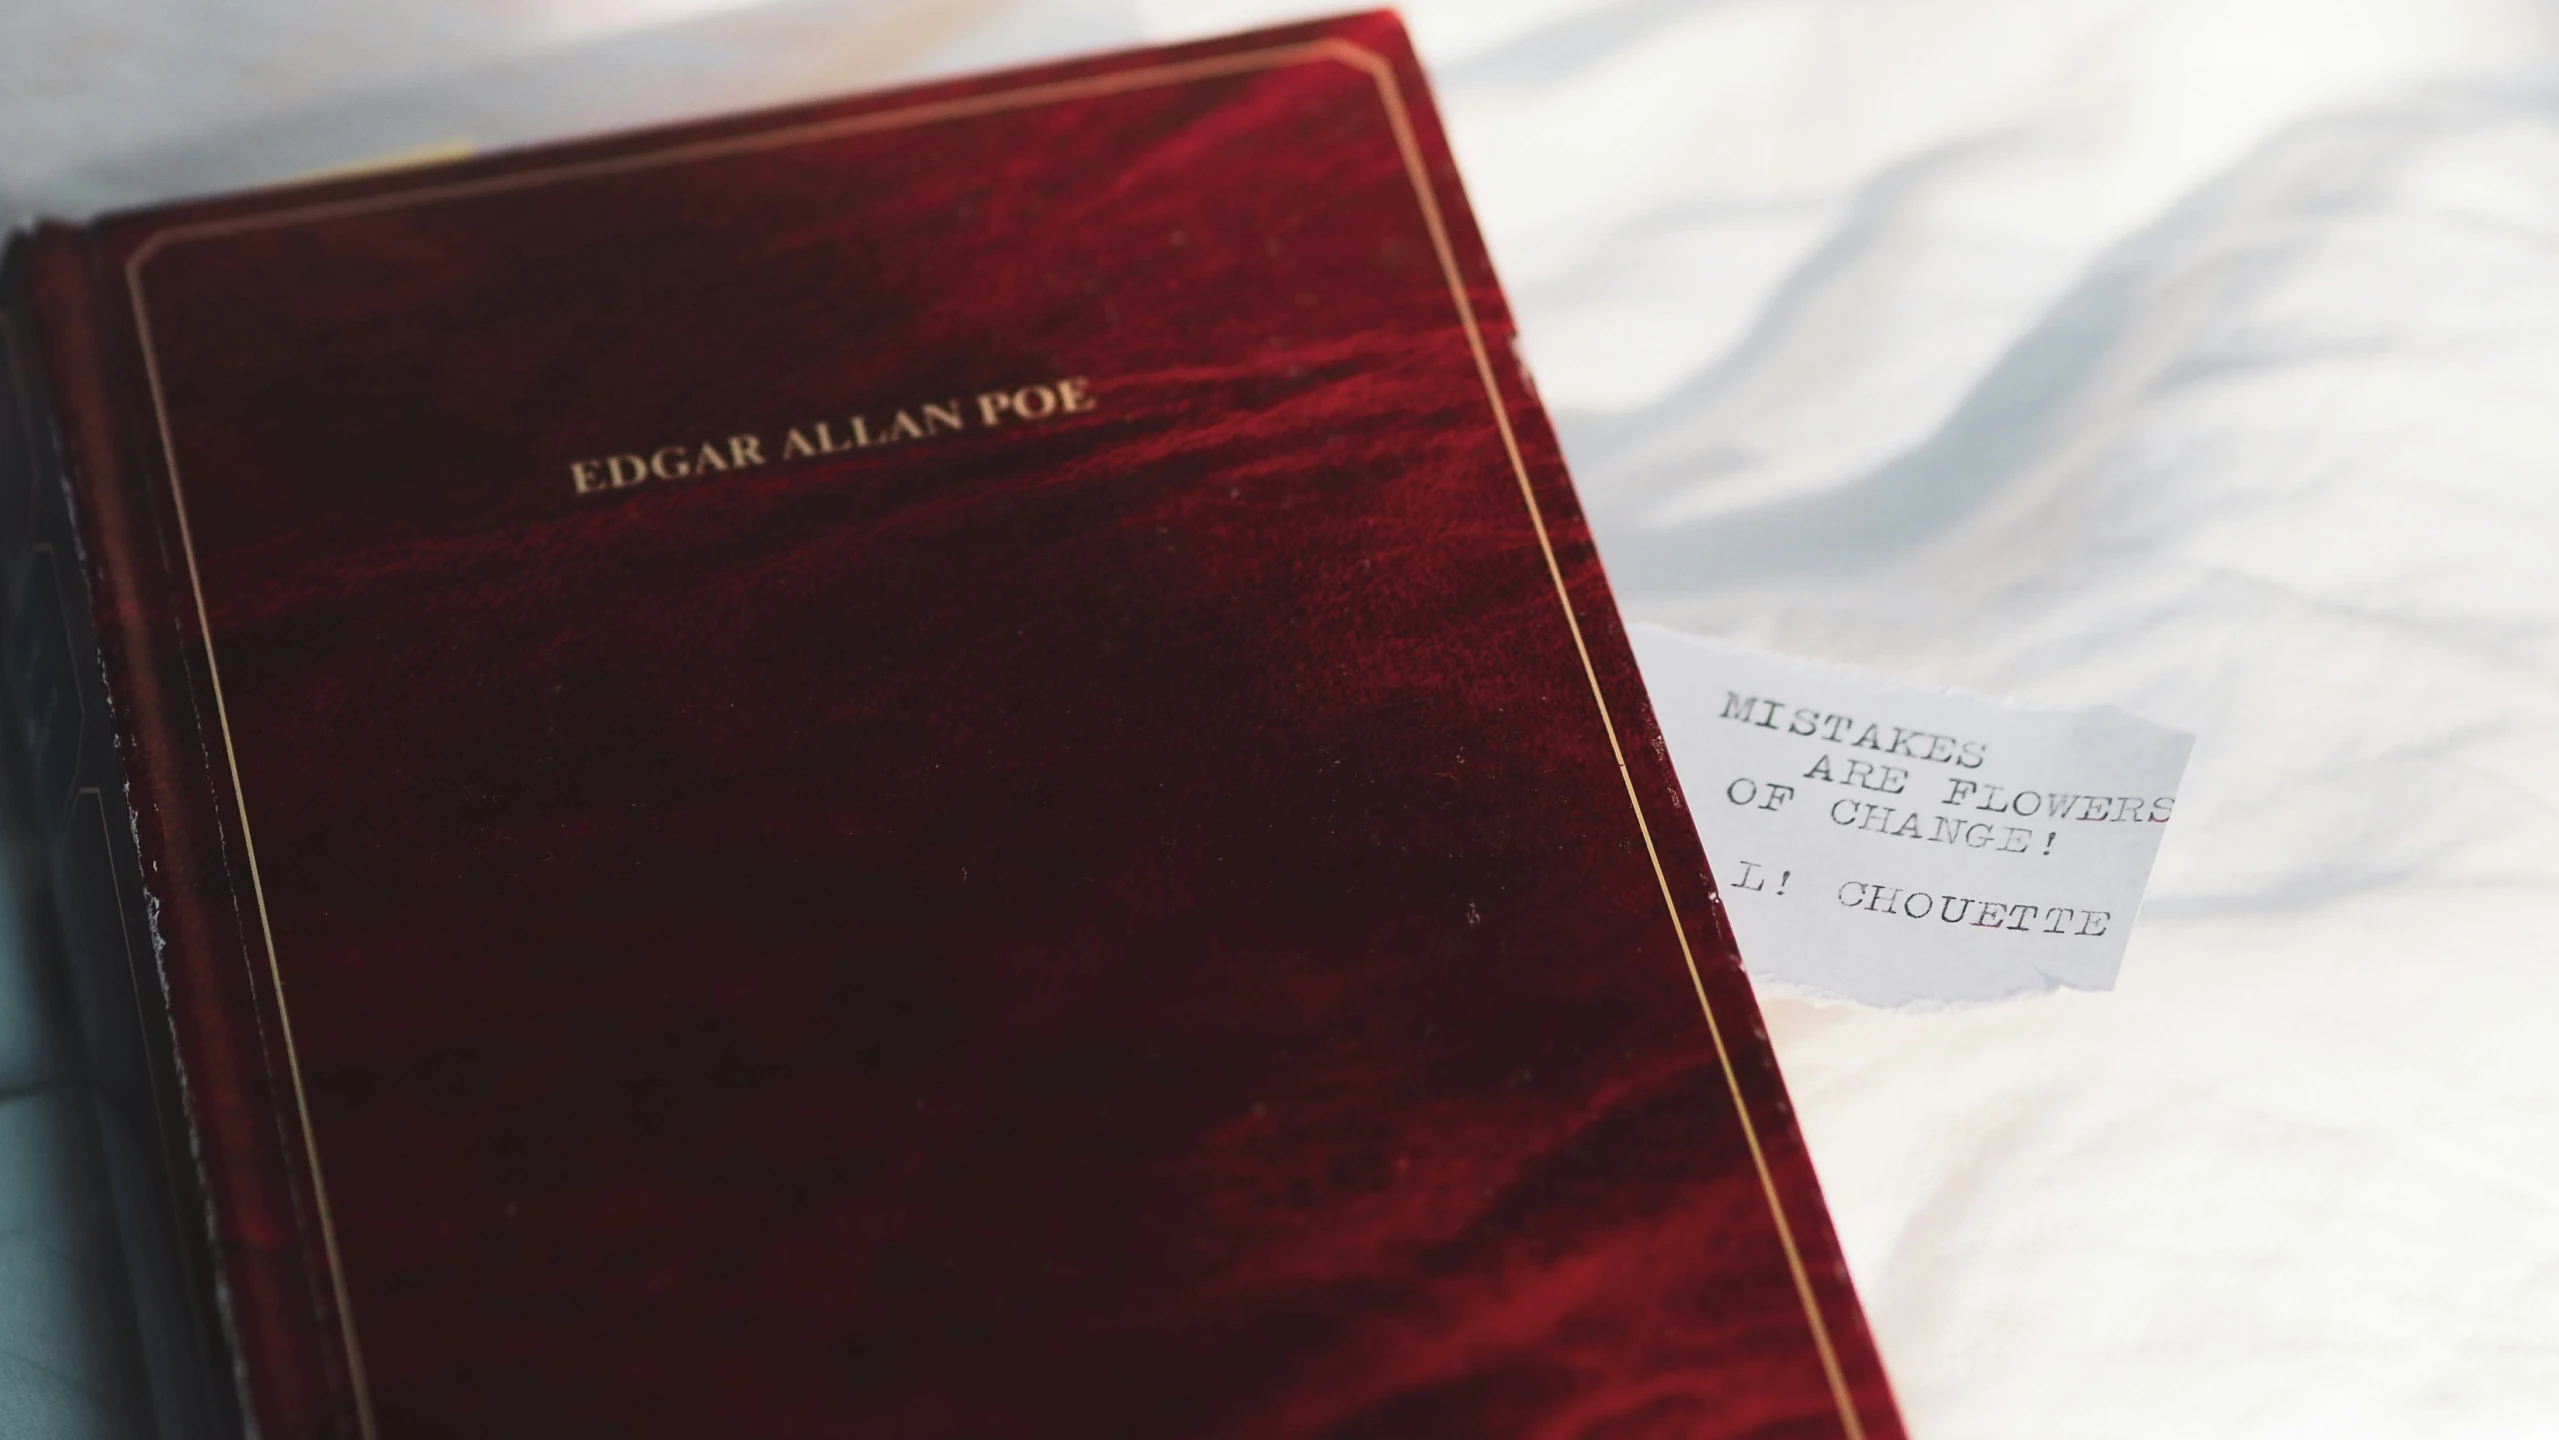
{"x":2199,"y":357}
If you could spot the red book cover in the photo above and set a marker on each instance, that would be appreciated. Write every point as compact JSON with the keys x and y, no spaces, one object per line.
{"x":953,"y":764}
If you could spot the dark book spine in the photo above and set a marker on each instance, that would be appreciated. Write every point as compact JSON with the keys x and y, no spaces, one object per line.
{"x":75,"y":825}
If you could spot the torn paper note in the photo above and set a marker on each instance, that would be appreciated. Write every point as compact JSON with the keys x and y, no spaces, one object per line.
{"x":1891,"y":845}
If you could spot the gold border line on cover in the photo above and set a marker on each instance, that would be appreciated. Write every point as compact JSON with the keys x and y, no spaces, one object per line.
{"x":1382,"y":73}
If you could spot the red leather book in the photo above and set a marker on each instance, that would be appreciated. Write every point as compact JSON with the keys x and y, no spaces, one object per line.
{"x":953,"y":764}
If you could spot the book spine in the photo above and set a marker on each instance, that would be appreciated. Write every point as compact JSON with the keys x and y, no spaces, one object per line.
{"x":78,"y":825}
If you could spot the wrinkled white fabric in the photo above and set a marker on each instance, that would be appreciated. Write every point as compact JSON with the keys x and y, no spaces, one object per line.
{"x":2199,"y":357}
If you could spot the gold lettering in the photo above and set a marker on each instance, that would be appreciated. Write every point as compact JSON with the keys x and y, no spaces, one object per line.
{"x":1043,"y":400}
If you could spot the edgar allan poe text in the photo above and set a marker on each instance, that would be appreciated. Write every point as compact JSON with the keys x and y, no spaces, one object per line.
{"x":934,"y":419}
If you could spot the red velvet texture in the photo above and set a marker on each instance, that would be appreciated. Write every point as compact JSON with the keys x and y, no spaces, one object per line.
{"x":1124,"y":923}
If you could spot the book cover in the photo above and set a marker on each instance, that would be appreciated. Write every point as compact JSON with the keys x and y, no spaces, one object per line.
{"x":947,"y":764}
